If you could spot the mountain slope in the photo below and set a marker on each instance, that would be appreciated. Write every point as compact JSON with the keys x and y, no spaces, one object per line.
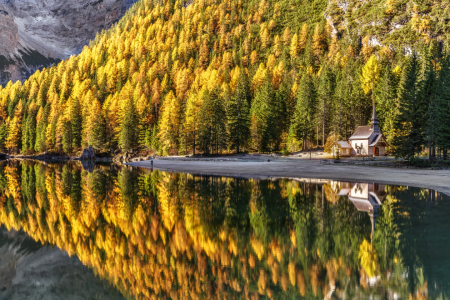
{"x":37,"y":33}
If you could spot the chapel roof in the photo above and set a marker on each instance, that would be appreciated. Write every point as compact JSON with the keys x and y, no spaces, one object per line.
{"x":376,"y":140}
{"x":374,"y":199}
{"x":343,"y":144}
{"x":362,"y":205}
{"x":362,"y":132}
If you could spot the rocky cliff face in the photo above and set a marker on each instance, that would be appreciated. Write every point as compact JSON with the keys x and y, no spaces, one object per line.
{"x":399,"y":25}
{"x":37,"y":33}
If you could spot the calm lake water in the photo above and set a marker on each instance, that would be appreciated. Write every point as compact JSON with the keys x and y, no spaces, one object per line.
{"x":110,"y":232}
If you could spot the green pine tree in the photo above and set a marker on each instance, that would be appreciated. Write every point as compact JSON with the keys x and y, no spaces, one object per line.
{"x":304,"y":122}
{"x":442,"y":100}
{"x":67,"y":137}
{"x":262,"y":118}
{"x":386,"y":97}
{"x":29,"y":133}
{"x":212,"y":130}
{"x":98,"y":137}
{"x":40,"y":136}
{"x":325,"y":92}
{"x":3,"y":135}
{"x":430,"y":91}
{"x":238,"y":114}
{"x":281,"y":110}
{"x":129,"y":135}
{"x":76,"y":123}
{"x":409,"y":123}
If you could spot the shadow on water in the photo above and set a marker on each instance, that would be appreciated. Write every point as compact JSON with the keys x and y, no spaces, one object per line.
{"x":156,"y":234}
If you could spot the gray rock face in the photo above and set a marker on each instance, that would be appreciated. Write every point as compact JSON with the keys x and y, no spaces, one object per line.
{"x":37,"y":33}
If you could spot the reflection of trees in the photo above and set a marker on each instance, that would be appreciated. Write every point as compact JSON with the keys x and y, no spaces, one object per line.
{"x":159,"y":234}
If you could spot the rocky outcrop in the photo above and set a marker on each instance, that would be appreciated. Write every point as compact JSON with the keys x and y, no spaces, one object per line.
{"x":88,"y":154}
{"x":129,"y":157}
{"x":37,"y":33}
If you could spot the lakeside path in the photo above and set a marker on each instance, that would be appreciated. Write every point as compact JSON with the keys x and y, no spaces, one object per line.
{"x":432,"y":179}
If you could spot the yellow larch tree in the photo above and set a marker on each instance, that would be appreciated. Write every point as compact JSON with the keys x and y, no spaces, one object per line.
{"x":15,"y":129}
{"x":317,"y":42}
{"x":294,"y":47}
{"x":303,"y":38}
{"x":156,"y":97}
{"x":287,"y":36}
{"x":169,"y":123}
{"x":370,"y":76}
{"x":193,"y":107}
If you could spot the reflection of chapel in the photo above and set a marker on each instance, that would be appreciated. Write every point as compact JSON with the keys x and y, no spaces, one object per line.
{"x":366,"y":197}
{"x":365,"y":141}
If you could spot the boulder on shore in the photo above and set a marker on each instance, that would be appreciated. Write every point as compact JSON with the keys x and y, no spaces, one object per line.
{"x":88,"y":154}
{"x":131,"y":156}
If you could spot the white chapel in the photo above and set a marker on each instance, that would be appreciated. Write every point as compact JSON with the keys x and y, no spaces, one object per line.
{"x":365,"y":141}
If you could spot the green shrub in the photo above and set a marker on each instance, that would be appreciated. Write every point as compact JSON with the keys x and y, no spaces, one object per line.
{"x":419,"y":163}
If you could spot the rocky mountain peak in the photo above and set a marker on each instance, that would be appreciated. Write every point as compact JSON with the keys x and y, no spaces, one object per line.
{"x":37,"y":33}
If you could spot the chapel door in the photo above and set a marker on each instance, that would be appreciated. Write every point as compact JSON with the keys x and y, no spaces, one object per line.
{"x":377,"y":151}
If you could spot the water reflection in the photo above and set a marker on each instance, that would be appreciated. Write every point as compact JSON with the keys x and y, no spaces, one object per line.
{"x":29,"y":270}
{"x":173,"y":235}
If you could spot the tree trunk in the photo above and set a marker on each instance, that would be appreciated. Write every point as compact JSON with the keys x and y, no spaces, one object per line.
{"x":317,"y":135}
{"x":323,"y":127}
{"x":429,"y":152}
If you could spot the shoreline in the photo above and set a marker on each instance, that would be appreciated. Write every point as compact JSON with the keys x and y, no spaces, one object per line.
{"x":438,"y":180}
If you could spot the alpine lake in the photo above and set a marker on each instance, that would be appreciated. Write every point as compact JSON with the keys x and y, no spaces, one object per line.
{"x":106,"y":231}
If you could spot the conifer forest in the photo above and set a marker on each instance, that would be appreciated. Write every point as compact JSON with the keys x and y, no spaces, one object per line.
{"x":225,"y":76}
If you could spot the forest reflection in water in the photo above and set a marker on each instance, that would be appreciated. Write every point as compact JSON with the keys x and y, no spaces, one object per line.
{"x":157,"y":234}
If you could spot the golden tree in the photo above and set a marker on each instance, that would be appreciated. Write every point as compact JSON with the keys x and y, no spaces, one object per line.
{"x":370,"y":76}
{"x":317,"y":42}
{"x":303,"y":37}
{"x":294,"y":46}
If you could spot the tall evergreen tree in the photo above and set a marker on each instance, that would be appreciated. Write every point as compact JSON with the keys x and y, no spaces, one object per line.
{"x":410,"y":121}
{"x":430,"y":91}
{"x":326,"y":89}
{"x":304,"y":121}
{"x":262,"y":117}
{"x":41,"y":130}
{"x":65,"y":131}
{"x":29,"y":133}
{"x":129,"y":134}
{"x":281,"y":109}
{"x":40,"y":136}
{"x":192,"y":120}
{"x":96,"y":127}
{"x":3,"y":135}
{"x":442,"y":107}
{"x":76,"y":122}
{"x":238,"y":114}
{"x":386,"y":99}
{"x":212,"y":131}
